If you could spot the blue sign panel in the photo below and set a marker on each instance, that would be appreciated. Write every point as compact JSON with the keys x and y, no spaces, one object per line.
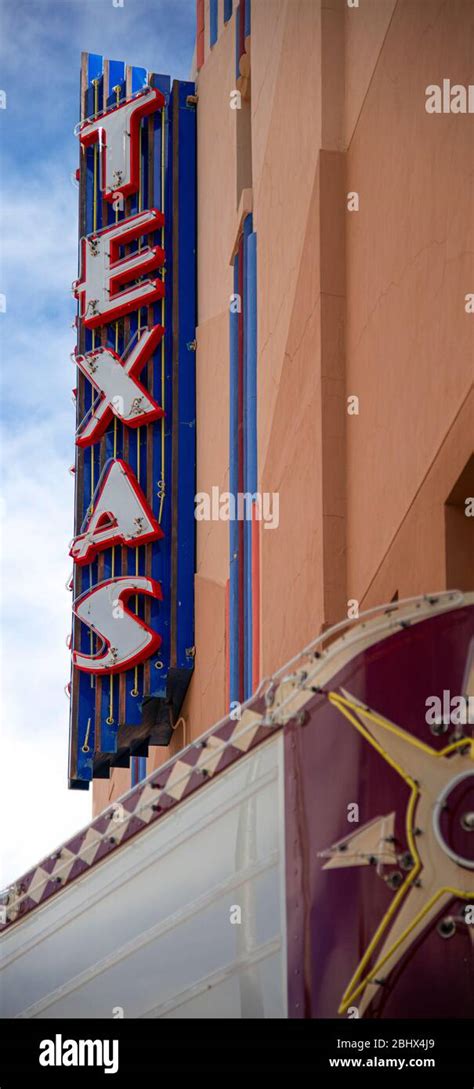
{"x":133,"y":550}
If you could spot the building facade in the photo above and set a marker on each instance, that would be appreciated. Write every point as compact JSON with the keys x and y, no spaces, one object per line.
{"x":334,"y":336}
{"x":302,"y":847}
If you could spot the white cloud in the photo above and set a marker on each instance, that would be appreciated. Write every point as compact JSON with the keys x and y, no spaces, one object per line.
{"x":37,"y":499}
{"x":37,"y":448}
{"x":39,"y":812}
{"x":42,"y":41}
{"x":39,"y":234}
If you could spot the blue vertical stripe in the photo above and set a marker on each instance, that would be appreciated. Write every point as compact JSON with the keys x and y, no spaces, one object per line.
{"x":187,"y":371}
{"x":248,"y":618}
{"x":251,"y":341}
{"x":251,"y":473}
{"x":138,"y":79}
{"x":237,"y":42}
{"x":160,"y":618}
{"x":227,"y":10}
{"x":133,"y":771}
{"x":247,"y":18}
{"x":137,"y":769}
{"x":250,"y":468}
{"x":213,"y":22}
{"x":233,"y":488}
{"x":94,"y":70}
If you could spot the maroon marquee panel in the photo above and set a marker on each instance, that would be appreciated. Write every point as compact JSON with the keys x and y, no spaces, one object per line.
{"x":379,"y":831}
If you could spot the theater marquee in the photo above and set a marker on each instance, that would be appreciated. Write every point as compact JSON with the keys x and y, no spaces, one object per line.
{"x":132,"y":642}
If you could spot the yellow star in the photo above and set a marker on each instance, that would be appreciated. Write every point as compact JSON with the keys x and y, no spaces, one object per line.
{"x":438,"y":874}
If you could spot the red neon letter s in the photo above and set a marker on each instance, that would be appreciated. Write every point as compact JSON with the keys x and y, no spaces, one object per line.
{"x":126,"y":639}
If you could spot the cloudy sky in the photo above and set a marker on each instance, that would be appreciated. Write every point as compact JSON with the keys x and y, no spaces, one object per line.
{"x":41,"y":45}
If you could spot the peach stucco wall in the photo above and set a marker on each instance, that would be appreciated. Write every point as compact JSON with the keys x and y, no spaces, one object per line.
{"x":409,"y":266}
{"x":367,"y":303}
{"x":298,"y":216}
{"x":365,"y":29}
